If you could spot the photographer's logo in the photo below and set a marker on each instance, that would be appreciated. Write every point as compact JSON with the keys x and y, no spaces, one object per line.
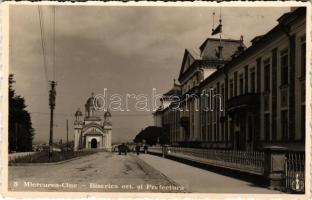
{"x":297,"y":184}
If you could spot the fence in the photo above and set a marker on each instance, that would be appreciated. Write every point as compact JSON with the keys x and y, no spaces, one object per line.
{"x":267,"y":164}
{"x":252,"y":162}
{"x":155,"y":150}
{"x":14,"y":156}
{"x":295,"y":172}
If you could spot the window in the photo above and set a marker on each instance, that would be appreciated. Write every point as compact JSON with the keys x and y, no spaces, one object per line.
{"x":302,"y":122}
{"x":215,"y":131}
{"x":267,"y":73}
{"x":241,"y":84}
{"x":266,"y":102}
{"x":284,"y":67}
{"x":208,"y":132}
{"x":303,"y":55}
{"x":284,"y":97}
{"x":267,"y":127}
{"x":222,"y":132}
{"x":223,"y":96}
{"x":231,"y":88}
{"x":284,"y":125}
{"x":252,"y":80}
{"x":303,"y":92}
{"x":250,"y":129}
{"x":215,"y":104}
{"x":203,"y":133}
{"x":235,"y":83}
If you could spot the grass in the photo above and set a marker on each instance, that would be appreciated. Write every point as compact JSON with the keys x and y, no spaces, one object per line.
{"x":42,"y":157}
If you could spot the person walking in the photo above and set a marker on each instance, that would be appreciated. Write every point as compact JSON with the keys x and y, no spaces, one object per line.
{"x":137,"y":149}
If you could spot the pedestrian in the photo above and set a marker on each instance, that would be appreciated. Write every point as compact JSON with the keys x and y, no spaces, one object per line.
{"x":137,"y":149}
{"x":145,"y":149}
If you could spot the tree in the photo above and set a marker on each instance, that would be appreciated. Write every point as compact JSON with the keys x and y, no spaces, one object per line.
{"x":152,"y":135}
{"x":21,"y":132}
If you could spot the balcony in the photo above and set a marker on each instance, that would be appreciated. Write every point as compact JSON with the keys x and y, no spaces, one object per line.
{"x":242,"y":102}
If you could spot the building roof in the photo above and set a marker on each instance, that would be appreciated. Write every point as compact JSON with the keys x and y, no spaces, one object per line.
{"x":210,"y":46}
{"x":261,"y":41}
{"x":208,"y":52}
{"x":195,"y":53}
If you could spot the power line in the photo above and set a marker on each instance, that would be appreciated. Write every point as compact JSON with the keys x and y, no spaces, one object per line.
{"x":53,"y":42}
{"x":41,"y":24}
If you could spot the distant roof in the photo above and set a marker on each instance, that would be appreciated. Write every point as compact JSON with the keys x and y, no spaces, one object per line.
{"x":209,"y":47}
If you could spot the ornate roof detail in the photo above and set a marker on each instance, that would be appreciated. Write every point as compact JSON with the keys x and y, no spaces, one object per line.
{"x":78,"y":112}
{"x":95,"y":125}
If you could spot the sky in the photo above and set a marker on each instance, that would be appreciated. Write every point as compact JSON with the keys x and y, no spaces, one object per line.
{"x":128,"y":50}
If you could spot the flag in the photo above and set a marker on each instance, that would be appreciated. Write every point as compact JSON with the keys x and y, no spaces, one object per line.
{"x":217,"y":30}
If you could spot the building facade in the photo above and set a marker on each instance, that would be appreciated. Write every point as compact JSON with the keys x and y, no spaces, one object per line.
{"x":92,"y":132}
{"x":245,"y":99}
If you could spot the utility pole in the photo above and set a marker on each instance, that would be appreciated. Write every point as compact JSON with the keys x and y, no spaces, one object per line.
{"x":52,"y":95}
{"x":67,"y":134}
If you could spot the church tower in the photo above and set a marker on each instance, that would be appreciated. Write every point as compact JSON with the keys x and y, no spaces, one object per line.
{"x":108,"y":128}
{"x":78,"y":124}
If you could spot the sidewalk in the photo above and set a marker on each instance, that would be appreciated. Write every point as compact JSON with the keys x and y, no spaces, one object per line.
{"x":200,"y":180}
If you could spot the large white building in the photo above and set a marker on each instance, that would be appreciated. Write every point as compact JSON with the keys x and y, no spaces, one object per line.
{"x":92,"y":132}
{"x":262,"y":89}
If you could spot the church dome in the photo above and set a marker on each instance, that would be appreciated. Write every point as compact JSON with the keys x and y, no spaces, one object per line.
{"x":90,"y":101}
{"x":78,"y":112}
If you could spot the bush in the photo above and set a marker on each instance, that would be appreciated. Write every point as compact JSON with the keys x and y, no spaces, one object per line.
{"x":42,"y":157}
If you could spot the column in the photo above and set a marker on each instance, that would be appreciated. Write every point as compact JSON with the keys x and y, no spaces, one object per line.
{"x":274,"y":94}
{"x":274,"y":166}
{"x":291,"y":94}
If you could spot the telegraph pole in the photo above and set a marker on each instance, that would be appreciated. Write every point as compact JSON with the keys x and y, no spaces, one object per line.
{"x":52,"y":95}
{"x":67,"y":135}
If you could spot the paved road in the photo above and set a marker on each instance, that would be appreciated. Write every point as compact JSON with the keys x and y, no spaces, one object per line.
{"x":109,"y":172}
{"x":100,"y":172}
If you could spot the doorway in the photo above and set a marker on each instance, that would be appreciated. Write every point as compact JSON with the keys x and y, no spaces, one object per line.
{"x":93,"y":143}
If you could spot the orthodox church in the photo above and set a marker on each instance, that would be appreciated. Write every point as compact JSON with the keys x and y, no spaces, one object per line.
{"x":92,"y":132}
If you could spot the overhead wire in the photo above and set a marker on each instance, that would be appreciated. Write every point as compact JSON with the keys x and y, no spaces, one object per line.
{"x":54,"y":59}
{"x":41,"y":25}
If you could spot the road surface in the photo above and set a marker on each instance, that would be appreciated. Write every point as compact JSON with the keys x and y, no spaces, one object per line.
{"x":100,"y":172}
{"x":109,"y":172}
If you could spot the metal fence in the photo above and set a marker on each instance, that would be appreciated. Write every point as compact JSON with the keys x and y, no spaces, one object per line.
{"x":295,"y":172}
{"x":155,"y":150}
{"x":247,"y":161}
{"x":252,"y":162}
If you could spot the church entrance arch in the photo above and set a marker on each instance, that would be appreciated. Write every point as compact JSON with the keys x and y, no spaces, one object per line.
{"x":93,"y":143}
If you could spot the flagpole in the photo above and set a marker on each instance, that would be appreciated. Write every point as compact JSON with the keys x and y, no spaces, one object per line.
{"x":220,"y":21}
